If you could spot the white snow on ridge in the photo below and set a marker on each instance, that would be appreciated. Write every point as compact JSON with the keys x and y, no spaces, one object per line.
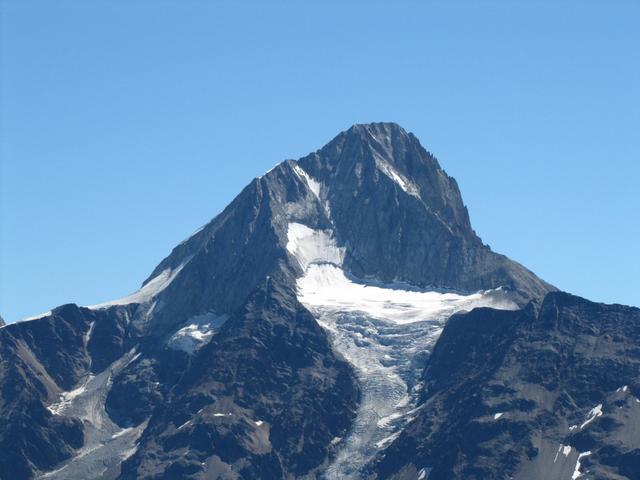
{"x":312,"y":246}
{"x":197,"y":332}
{"x":34,"y":317}
{"x":313,"y":184}
{"x":147,"y":292}
{"x":143,"y":295}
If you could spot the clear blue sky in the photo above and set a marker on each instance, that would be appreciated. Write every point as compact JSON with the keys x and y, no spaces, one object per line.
{"x":125,"y":125}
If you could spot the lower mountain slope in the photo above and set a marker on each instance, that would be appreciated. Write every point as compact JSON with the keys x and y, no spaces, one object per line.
{"x":550,"y":392}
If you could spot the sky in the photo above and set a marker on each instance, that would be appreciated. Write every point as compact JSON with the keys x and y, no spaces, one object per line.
{"x":125,"y":125}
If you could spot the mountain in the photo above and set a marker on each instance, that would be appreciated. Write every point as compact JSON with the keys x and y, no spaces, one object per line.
{"x":549,"y":391}
{"x":290,"y":337}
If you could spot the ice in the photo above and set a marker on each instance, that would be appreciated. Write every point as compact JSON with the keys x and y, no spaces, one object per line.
{"x":386,"y":332}
{"x":197,"y":332}
{"x":327,"y":287}
{"x":308,"y":245}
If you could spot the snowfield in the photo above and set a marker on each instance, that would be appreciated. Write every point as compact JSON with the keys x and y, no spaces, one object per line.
{"x":385,"y":331}
{"x":327,"y":287}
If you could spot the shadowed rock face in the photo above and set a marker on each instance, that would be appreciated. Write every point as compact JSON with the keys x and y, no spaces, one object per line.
{"x":524,"y":394}
{"x":257,"y":390}
{"x":403,"y":218}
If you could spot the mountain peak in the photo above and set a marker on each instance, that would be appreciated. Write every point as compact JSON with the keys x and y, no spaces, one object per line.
{"x":376,"y":191}
{"x":377,"y":130}
{"x":220,"y":346}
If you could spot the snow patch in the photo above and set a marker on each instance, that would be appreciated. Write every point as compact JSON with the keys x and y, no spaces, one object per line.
{"x":309,"y":246}
{"x":576,"y":472}
{"x":387,"y":440}
{"x":565,"y":449}
{"x":197,"y":332}
{"x":594,"y":413}
{"x":406,"y":185}
{"x":313,"y":184}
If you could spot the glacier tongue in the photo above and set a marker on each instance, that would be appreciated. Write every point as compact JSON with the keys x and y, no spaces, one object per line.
{"x":386,"y":332}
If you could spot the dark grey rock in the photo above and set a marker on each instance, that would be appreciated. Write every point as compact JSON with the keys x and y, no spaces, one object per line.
{"x":542,"y":371}
{"x":267,"y":396}
{"x":424,"y":238}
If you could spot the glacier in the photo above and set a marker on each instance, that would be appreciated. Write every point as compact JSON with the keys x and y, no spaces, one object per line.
{"x":385,"y":330}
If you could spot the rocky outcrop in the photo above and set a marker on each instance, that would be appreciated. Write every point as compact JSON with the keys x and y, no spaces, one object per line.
{"x":548,"y":392}
{"x":403,"y":217}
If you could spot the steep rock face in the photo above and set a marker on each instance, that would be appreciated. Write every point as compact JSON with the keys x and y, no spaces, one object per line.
{"x":263,"y":399}
{"x":402,"y":217}
{"x":214,"y":366}
{"x":39,"y":360}
{"x":537,"y":393}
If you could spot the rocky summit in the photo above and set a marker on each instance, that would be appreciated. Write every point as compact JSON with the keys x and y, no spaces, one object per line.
{"x":339,"y":319}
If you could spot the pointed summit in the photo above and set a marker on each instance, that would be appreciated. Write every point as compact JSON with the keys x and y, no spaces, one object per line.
{"x":220,"y":354}
{"x":376,"y":190}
